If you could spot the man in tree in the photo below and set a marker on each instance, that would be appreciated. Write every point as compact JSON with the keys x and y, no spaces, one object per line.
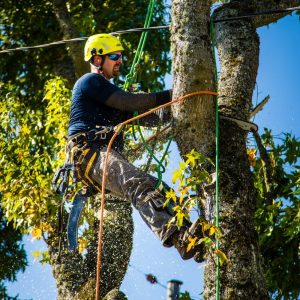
{"x":98,"y":106}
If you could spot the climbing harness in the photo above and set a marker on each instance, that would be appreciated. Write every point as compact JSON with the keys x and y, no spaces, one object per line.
{"x":68,"y":176}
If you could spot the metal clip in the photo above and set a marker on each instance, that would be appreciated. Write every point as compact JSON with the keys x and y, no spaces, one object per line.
{"x":100,"y":134}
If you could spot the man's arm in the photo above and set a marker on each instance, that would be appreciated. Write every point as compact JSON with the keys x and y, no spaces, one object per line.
{"x":99,"y":89}
{"x":163,"y":116}
{"x":126,"y":101}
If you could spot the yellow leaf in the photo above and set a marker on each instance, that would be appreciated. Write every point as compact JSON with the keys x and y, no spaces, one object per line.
{"x":192,"y":242}
{"x":192,"y":158}
{"x":171,"y":195}
{"x":47,"y":227}
{"x":251,"y":156}
{"x":25,"y":129}
{"x":206,"y":226}
{"x":166,"y":203}
{"x":182,"y":166}
{"x":212,"y":230}
{"x":146,"y":58}
{"x":36,"y":233}
{"x":222,"y":257}
{"x":82,"y":243}
{"x":179,"y":217}
{"x":181,"y":199}
{"x":176,"y":176}
{"x":36,"y":254}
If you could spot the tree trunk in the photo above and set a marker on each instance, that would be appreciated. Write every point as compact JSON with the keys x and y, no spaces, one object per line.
{"x":192,"y":71}
{"x":75,"y":274}
{"x":238,"y":46}
{"x":242,"y":277}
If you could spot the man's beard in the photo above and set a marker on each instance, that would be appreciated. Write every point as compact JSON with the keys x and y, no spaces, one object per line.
{"x":116,"y":71}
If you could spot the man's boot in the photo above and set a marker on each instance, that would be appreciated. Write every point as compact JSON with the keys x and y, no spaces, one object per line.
{"x":181,"y":240}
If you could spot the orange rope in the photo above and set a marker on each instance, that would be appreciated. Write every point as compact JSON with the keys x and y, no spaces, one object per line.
{"x":119,"y":129}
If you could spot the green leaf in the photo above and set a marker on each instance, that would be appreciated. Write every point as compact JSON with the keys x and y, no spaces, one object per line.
{"x":207,"y":241}
{"x":185,"y":296}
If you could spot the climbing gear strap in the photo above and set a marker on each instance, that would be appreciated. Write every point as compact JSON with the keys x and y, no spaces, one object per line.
{"x":78,"y":204}
{"x":61,"y":180}
{"x":104,"y":133}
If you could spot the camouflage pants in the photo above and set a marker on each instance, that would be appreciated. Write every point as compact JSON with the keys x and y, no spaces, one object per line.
{"x":126,"y":181}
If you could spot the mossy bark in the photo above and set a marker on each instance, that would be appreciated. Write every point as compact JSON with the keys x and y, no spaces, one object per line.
{"x":242,"y":277}
{"x":192,"y":71}
{"x":238,"y":47}
{"x":75,"y":274}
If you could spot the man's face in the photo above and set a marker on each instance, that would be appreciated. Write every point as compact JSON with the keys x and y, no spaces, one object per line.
{"x":112,"y":63}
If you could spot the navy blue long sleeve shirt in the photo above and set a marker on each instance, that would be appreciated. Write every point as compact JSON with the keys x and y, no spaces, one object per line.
{"x":97,"y":102}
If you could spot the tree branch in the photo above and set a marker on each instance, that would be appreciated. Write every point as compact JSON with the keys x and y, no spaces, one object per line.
{"x":267,"y":168}
{"x":69,"y":31}
{"x":242,"y":8}
{"x":264,"y":5}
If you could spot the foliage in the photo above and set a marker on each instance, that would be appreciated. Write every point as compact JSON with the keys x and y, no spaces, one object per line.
{"x":27,"y":23}
{"x":33,"y":125}
{"x":185,"y":296}
{"x":12,"y":254}
{"x":31,"y":143}
{"x":191,"y":177}
{"x":278,"y":214}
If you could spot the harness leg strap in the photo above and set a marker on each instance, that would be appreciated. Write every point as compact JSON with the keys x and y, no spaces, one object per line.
{"x":76,"y":211}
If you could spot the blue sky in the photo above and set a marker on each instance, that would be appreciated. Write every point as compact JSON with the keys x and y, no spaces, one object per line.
{"x":278,"y":77}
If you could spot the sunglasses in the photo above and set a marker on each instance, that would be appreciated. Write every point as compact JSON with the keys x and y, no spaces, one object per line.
{"x":115,"y":57}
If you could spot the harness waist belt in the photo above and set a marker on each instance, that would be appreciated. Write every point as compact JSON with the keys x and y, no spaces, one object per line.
{"x":91,"y":136}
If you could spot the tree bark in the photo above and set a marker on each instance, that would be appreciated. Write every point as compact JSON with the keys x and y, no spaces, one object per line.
{"x":242,"y":277}
{"x":192,"y":71}
{"x":258,"y":6}
{"x":238,"y":47}
{"x":75,"y":274}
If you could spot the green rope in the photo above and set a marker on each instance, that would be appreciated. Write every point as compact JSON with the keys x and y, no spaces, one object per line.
{"x":212,"y":34}
{"x":160,"y":168}
{"x":138,"y":55}
{"x":140,"y":48}
{"x":129,"y":81}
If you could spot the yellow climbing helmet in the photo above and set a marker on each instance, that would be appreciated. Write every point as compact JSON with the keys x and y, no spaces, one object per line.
{"x":101,"y":44}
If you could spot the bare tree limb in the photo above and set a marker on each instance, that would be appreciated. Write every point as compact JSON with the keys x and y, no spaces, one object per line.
{"x":264,"y":5}
{"x":238,"y":8}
